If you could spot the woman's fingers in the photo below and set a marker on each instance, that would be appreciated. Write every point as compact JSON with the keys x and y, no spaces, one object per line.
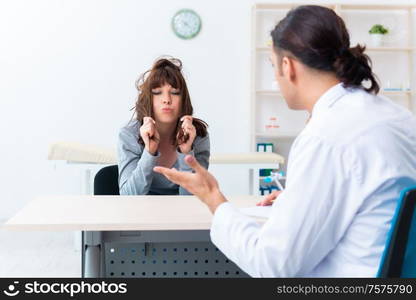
{"x":187,"y":127}
{"x":187,"y":130}
{"x":187,"y":122}
{"x":151,"y":130}
{"x":148,"y":131}
{"x":149,"y":127}
{"x":145,"y":137}
{"x":187,"y":118}
{"x":156,"y":135}
{"x":148,"y":123}
{"x":147,"y":120}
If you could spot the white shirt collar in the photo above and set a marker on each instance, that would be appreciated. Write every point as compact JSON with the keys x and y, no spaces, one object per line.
{"x":329,"y":97}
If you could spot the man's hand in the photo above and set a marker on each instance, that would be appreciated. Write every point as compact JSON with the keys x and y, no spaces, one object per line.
{"x":268,"y":200}
{"x":201,"y":183}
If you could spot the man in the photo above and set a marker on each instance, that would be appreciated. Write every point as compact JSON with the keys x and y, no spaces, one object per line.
{"x":345,"y":170}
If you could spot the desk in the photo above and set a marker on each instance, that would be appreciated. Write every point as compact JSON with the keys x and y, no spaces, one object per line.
{"x":109,"y":221}
{"x":92,"y":158}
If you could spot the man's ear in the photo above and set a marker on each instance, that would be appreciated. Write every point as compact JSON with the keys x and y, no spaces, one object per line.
{"x":284,"y":66}
{"x":291,"y":69}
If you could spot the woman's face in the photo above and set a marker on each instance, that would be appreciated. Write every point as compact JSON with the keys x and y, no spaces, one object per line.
{"x":166,"y":104}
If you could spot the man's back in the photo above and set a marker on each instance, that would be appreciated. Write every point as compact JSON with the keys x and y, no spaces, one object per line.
{"x":379,"y":138}
{"x":345,"y":172}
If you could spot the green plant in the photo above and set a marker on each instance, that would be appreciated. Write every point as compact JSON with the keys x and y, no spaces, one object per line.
{"x":378,"y":29}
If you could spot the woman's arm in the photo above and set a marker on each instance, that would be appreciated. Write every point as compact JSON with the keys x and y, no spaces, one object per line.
{"x":135,"y":164}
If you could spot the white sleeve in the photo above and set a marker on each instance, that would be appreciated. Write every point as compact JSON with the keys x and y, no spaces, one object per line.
{"x":307,"y":220}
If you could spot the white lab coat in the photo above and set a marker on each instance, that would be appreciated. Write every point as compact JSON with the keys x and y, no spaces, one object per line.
{"x":345,"y":173}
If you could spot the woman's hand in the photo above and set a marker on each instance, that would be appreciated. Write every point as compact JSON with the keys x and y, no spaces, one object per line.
{"x":268,"y":200}
{"x":200,"y":183}
{"x":189,"y":131}
{"x":150,"y":135}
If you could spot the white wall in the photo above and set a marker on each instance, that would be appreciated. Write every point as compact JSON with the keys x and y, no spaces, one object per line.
{"x":68,"y":68}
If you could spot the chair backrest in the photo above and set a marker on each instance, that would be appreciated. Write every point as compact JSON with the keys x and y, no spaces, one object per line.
{"x":106,"y":181}
{"x":399,"y":257}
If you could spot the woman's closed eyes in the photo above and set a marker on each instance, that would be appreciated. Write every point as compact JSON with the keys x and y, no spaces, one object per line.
{"x":173,"y":92}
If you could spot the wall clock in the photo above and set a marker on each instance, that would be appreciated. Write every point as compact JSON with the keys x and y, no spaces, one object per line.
{"x":186,"y":24}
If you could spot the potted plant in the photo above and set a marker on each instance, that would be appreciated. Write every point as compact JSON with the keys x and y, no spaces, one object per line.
{"x":377,"y":32}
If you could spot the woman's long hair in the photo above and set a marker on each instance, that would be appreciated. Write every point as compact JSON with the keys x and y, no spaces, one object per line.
{"x":166,"y":71}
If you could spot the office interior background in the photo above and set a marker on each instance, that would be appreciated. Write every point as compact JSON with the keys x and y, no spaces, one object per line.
{"x":68,"y":73}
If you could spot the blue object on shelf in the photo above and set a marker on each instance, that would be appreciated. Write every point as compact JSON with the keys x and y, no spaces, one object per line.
{"x":268,"y":179}
{"x":265,"y":147}
{"x":265,"y":172}
{"x":263,"y":189}
{"x":274,"y":177}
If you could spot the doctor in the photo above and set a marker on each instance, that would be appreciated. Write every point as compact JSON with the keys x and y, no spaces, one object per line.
{"x":345,"y":169}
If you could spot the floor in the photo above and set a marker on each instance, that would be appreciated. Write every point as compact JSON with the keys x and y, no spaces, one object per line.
{"x":39,"y":254}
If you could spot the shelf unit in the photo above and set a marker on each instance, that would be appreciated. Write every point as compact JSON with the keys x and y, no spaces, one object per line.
{"x":268,"y":49}
{"x":392,"y":62}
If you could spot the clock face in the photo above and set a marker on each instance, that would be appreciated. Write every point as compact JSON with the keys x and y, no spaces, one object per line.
{"x":186,"y":24}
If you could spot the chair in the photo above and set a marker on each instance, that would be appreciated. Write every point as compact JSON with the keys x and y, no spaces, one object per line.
{"x":106,"y":181}
{"x":399,"y":257}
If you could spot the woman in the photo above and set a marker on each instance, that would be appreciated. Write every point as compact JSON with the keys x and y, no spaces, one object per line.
{"x":346,"y":169}
{"x":162,"y":133}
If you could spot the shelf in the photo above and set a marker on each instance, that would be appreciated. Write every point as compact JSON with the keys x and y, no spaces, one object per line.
{"x":267,"y":7}
{"x":269,"y":92}
{"x":380,"y":49}
{"x":282,"y":135}
{"x":263,"y":49}
{"x":396,"y":92}
{"x":393,"y":49}
{"x":265,"y":96}
{"x":376,"y":7}
{"x":272,"y":7}
{"x":278,"y":93}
